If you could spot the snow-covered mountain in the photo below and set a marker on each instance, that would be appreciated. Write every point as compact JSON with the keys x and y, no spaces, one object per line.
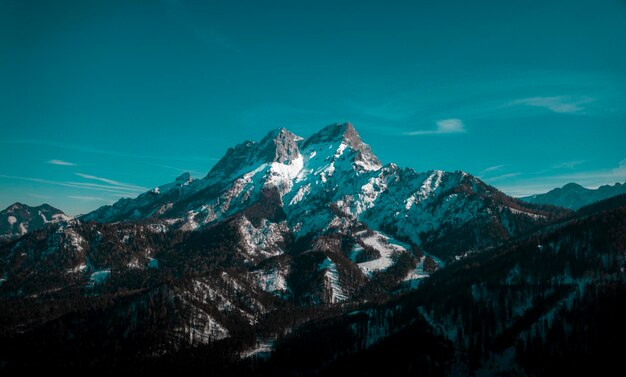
{"x":575,"y":196}
{"x":18,"y":219}
{"x":332,"y":180}
{"x":283,"y":225}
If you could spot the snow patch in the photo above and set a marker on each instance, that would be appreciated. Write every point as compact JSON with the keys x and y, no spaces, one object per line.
{"x":302,"y":191}
{"x":273,"y":281}
{"x":201,"y":328}
{"x":262,"y":349}
{"x":429,"y":186}
{"x":331,"y":281}
{"x":531,"y":215}
{"x":264,"y":240}
{"x":342,"y":147}
{"x":385,"y":248}
{"x":76,"y":241}
{"x":417,"y":273}
{"x":282,"y":175}
{"x":79,"y":268}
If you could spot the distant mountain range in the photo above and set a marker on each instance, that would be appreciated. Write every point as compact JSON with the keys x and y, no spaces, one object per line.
{"x":575,"y":196}
{"x":294,"y":247}
{"x":18,"y":219}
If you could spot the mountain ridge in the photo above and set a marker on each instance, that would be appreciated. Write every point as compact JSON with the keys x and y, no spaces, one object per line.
{"x":575,"y":196}
{"x":18,"y":219}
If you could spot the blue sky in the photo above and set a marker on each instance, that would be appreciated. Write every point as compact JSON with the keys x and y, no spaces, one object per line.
{"x":100,"y":100}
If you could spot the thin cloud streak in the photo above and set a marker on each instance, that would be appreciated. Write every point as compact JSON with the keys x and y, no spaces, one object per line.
{"x":60,"y":162}
{"x":114,"y":190}
{"x":88,"y":198}
{"x":104,"y":187}
{"x":91,"y":150}
{"x":111,"y":182}
{"x":491,"y":169}
{"x":503,"y":176}
{"x":446,"y":126}
{"x":558,"y":104}
{"x":569,"y":164}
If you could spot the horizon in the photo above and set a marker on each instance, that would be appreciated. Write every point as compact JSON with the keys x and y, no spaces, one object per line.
{"x":103,"y":101}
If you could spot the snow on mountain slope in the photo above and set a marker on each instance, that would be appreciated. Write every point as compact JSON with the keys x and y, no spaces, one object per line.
{"x":18,"y":219}
{"x":386,"y":248}
{"x":332,"y":282}
{"x":266,"y":240}
{"x":273,"y":280}
{"x":280,"y":223}
{"x":326,"y":182}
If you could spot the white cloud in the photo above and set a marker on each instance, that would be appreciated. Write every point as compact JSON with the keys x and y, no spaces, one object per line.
{"x":60,"y":162}
{"x":445,"y":126}
{"x":503,"y":177}
{"x":558,"y":104}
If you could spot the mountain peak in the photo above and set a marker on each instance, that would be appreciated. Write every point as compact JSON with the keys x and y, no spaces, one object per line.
{"x":18,"y":206}
{"x":575,"y":196}
{"x":280,"y":145}
{"x":19,"y":218}
{"x":334,"y":132}
{"x":184,"y":178}
{"x":15,"y":206}
{"x":346,"y":134}
{"x":572,"y":186}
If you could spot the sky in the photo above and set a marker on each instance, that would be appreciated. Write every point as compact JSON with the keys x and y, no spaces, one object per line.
{"x":105,"y":99}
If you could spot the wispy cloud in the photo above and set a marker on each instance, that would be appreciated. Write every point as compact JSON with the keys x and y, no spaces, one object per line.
{"x":503,"y":177}
{"x":111,"y":182}
{"x":194,"y":173}
{"x":116,"y":190}
{"x":39,"y":196}
{"x":94,"y":150}
{"x":88,"y":198}
{"x":60,"y":162}
{"x":569,"y":164}
{"x":105,"y":188}
{"x":558,"y":104}
{"x":491,"y":169}
{"x":446,"y":126}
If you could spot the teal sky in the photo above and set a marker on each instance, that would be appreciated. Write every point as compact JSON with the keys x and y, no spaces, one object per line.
{"x":103,"y":99}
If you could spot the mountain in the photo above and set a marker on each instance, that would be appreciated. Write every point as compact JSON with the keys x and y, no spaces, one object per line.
{"x":18,"y":219}
{"x":574,"y":196}
{"x":549,"y":302}
{"x":281,"y":233}
{"x":332,"y":180}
